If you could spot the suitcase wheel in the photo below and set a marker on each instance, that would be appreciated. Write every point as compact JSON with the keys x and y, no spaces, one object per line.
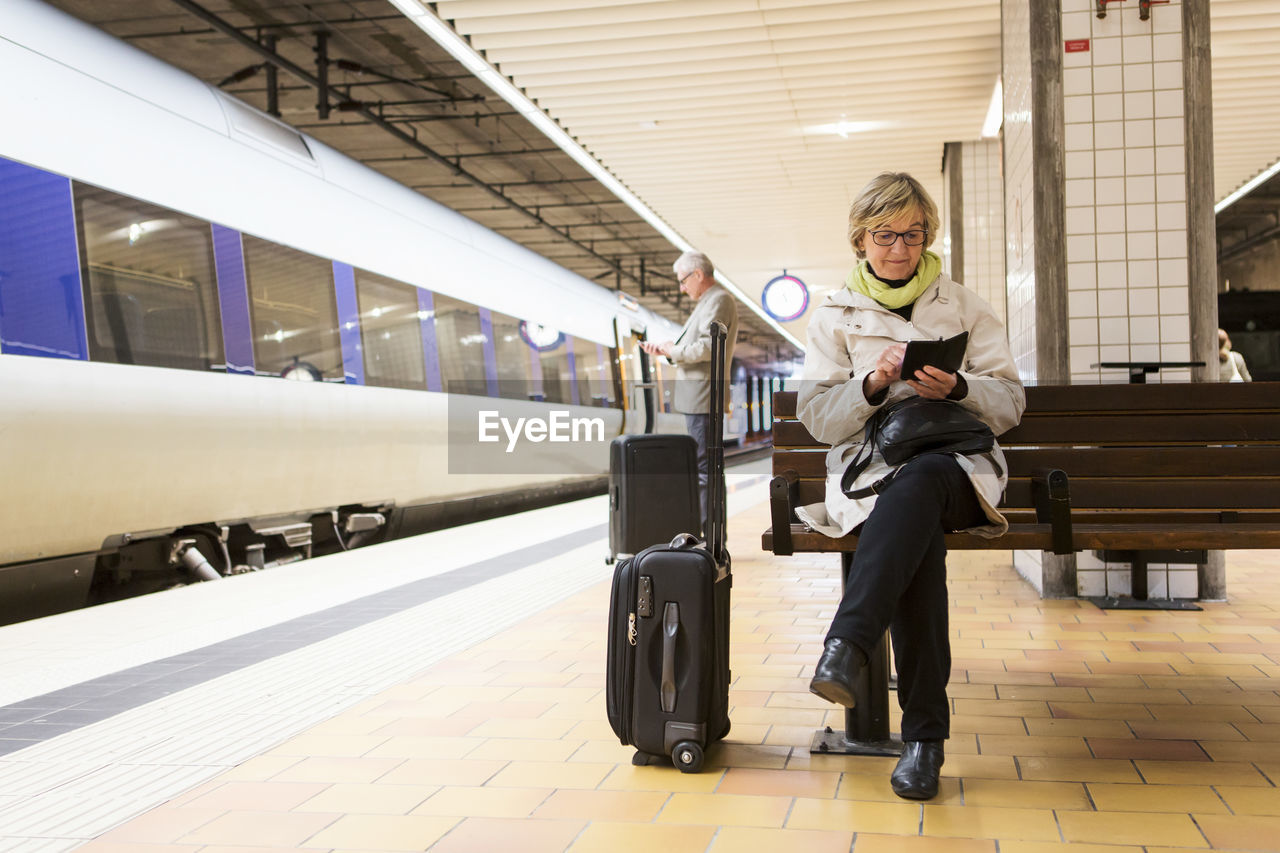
{"x":687,"y":756}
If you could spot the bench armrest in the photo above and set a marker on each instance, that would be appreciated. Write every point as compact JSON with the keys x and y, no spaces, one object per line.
{"x":782,"y":498}
{"x":1051,"y":494}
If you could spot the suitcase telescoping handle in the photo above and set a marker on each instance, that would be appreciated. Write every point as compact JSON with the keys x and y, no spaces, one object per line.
{"x":716,"y":512}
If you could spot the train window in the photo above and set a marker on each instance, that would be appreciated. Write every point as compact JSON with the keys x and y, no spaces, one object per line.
{"x":294,"y":310}
{"x":151,"y":295}
{"x":554,"y":362}
{"x":514,"y":357}
{"x":595,"y":382}
{"x":460,"y":341}
{"x":391,"y":332}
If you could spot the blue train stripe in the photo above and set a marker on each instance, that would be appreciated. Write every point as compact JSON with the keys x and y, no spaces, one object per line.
{"x":490,"y":355}
{"x":233,"y":300}
{"x":344,"y":286}
{"x":430,"y":354}
{"x":41,"y":300}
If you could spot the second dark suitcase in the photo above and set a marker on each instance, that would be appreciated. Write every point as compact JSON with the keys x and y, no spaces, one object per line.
{"x":653,"y":491}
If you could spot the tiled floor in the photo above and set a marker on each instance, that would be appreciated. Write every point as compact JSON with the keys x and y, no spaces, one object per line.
{"x":1118,"y":731}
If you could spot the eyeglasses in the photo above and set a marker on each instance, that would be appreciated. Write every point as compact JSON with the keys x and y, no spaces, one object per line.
{"x":888,"y":238}
{"x":681,"y":281}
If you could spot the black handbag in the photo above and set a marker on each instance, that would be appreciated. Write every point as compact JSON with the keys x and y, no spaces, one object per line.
{"x":913,"y":427}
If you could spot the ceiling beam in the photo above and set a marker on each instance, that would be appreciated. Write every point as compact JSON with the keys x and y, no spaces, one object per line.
{"x":407,"y":138}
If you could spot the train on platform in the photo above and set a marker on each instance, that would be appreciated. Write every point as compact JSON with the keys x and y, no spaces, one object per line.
{"x":169,"y":256}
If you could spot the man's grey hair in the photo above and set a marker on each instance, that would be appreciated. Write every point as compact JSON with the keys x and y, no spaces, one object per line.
{"x":690,"y":261}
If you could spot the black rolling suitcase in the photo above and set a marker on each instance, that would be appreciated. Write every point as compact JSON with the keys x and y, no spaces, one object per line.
{"x":667,"y":679}
{"x":653,"y":491}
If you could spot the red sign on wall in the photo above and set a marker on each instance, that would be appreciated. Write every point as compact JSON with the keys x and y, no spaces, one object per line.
{"x":1076,"y":45}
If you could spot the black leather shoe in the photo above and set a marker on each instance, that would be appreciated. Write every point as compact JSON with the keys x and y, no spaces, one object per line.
{"x":916,"y":776}
{"x":837,"y":671}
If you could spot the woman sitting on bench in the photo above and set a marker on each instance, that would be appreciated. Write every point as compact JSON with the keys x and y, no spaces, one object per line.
{"x":857,"y":340}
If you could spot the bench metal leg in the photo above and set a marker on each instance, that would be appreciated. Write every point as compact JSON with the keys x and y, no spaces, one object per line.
{"x":866,"y":725}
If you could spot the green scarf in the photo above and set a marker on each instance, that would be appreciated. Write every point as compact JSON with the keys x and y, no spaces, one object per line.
{"x":863,"y":280}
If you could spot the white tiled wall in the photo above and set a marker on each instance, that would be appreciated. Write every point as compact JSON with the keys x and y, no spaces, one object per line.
{"x":984,"y":222}
{"x":1019,"y":248}
{"x":1126,"y":214}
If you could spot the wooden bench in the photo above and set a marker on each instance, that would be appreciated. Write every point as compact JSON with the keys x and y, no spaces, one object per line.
{"x":1138,"y":473}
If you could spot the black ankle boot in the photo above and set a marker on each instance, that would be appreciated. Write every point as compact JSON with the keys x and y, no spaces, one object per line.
{"x":916,"y":776}
{"x":837,"y":671}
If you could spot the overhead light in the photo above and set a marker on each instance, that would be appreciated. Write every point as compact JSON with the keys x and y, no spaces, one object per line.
{"x":412,"y":8}
{"x":843,"y":128}
{"x":1248,"y":187}
{"x":995,"y":112}
{"x":461,"y":50}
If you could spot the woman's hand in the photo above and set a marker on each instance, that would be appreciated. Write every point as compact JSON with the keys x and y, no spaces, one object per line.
{"x":933,"y":383}
{"x":888,"y":368}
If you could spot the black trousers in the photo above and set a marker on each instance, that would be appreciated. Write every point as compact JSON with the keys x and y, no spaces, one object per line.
{"x":898,"y":581}
{"x":698,"y":427}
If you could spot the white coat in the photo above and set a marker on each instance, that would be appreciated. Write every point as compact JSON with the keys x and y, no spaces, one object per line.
{"x":846,"y":335}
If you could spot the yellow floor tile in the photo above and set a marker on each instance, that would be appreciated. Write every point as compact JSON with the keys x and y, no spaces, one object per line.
{"x":779,"y":783}
{"x":898,"y":818}
{"x":606,"y":837}
{"x":1171,"y":830}
{"x":484,"y":802}
{"x":367,"y":799}
{"x":1054,"y":769}
{"x":268,"y":796}
{"x":485,"y":835}
{"x":1155,"y":798}
{"x":612,"y":806}
{"x":1049,"y":727}
{"x":322,"y":769}
{"x":383,"y":832}
{"x":870,"y":843}
{"x":550,"y":774}
{"x":737,"y":839}
{"x":442,"y":771}
{"x":1033,"y":745}
{"x":258,"y":828}
{"x":1051,"y":847}
{"x":720,"y":809}
{"x":1250,"y":801}
{"x":420,"y":746}
{"x":996,"y":793}
{"x":1200,"y":773}
{"x":1241,"y":832}
{"x":515,"y":749}
{"x":626,"y":777}
{"x":990,"y":822}
{"x":515,"y":727}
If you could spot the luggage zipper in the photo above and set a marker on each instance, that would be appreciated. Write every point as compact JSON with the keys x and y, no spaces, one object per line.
{"x":626,"y":706}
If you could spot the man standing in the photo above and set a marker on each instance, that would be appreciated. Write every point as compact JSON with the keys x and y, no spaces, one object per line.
{"x":691,"y":353}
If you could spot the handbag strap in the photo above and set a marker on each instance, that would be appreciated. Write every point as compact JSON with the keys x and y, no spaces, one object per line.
{"x":859,"y":464}
{"x":874,"y":489}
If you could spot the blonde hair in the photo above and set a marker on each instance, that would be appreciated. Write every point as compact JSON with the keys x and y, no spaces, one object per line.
{"x":890,"y":195}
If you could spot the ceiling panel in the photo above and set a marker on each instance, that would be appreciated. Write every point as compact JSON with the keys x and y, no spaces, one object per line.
{"x":706,"y":109}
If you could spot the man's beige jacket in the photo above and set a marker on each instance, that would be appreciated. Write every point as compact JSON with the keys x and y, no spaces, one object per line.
{"x":691,"y":352}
